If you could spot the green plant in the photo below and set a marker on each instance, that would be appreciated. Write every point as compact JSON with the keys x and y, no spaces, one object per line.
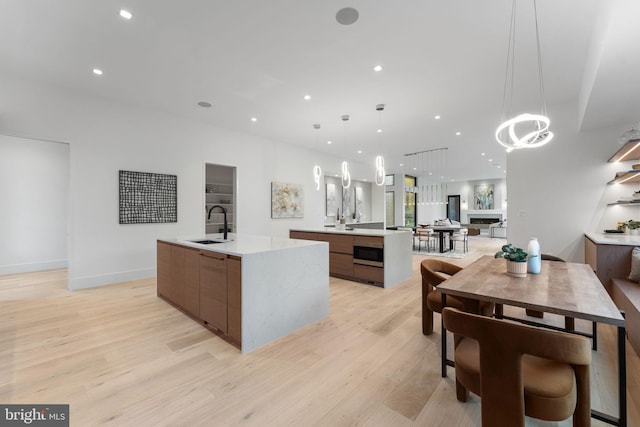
{"x":511,"y":253}
{"x":633,"y":225}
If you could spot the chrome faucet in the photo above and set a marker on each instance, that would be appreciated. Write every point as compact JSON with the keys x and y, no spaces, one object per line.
{"x":224,"y":211}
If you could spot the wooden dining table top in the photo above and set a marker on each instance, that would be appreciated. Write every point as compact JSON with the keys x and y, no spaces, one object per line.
{"x":564,"y":288}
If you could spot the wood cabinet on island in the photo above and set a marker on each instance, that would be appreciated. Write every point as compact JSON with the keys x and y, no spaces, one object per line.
{"x":250,"y":290}
{"x":378,"y":257}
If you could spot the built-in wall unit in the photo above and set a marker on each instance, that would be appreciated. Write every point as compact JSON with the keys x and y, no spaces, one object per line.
{"x":220,"y":191}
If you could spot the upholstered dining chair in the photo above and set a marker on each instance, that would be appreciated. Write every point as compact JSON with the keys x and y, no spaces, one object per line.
{"x":463,"y":237}
{"x":520,"y":370}
{"x":424,"y":235}
{"x":434,"y":272}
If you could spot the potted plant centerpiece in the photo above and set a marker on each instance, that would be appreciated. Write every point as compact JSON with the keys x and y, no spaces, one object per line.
{"x":633,"y":226}
{"x":516,"y":260}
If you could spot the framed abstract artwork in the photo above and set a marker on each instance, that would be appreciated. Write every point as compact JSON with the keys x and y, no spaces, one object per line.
{"x":147,"y":197}
{"x":331,"y":200}
{"x":287,"y":200}
{"x":483,"y":196}
{"x":347,"y":208}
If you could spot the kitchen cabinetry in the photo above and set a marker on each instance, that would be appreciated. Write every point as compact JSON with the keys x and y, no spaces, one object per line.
{"x":178,"y":276}
{"x":377,"y":257}
{"x":223,"y":195}
{"x":206,"y":285}
{"x":608,"y":260}
{"x":213,"y":290}
{"x":341,"y":256}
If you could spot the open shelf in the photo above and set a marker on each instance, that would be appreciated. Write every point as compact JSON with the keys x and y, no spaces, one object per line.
{"x":629,"y":151}
{"x":629,"y":177}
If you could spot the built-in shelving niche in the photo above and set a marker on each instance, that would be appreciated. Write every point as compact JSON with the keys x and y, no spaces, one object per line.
{"x":220,"y":189}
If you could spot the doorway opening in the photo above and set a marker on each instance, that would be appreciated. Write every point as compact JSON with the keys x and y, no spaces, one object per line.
{"x":220,"y":190}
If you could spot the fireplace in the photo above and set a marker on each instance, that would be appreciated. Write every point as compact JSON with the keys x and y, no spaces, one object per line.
{"x":484,"y":220}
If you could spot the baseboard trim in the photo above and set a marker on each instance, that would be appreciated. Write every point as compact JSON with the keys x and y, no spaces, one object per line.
{"x":33,"y":266}
{"x":85,"y":282}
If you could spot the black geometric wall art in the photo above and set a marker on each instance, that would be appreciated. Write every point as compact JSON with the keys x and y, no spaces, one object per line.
{"x":148,"y":198}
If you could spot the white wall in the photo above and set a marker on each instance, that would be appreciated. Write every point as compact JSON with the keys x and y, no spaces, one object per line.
{"x":105,"y":137}
{"x":34,"y":192}
{"x":559,"y":191}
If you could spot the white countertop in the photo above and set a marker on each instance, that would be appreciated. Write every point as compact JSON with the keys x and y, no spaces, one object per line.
{"x":614,"y":239}
{"x":241,"y":244}
{"x":354,"y":232}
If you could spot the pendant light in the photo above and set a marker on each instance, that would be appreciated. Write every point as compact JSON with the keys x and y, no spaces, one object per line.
{"x":317,"y":170}
{"x":526,"y":130}
{"x":380,"y":172}
{"x":346,"y":176}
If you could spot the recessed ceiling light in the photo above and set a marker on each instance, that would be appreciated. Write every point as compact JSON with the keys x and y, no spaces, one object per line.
{"x":458,"y":133}
{"x":401,"y":164}
{"x":482,"y":154}
{"x":328,"y":142}
{"x":441,"y":176}
{"x":415,"y":168}
{"x":490,"y":160}
{"x":204,"y":104}
{"x":126,"y":14}
{"x":430,"y":173}
{"x":379,"y":130}
{"x":377,"y":68}
{"x":499,"y":166}
{"x":359,"y":151}
{"x":253,"y":119}
{"x":307,"y":97}
{"x":436,"y":117}
{"x":97,"y":71}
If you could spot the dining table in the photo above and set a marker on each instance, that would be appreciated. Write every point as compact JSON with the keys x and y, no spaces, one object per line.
{"x":441,"y":230}
{"x":563,"y":288}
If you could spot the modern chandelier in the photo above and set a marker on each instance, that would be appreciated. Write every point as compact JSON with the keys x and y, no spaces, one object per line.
{"x":346,"y":176}
{"x":317,"y":170}
{"x":380,"y":172}
{"x":526,"y":130}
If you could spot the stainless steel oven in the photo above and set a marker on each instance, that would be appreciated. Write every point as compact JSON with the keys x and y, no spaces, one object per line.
{"x":368,"y":255}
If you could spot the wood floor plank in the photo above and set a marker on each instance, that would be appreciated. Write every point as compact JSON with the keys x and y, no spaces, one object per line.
{"x":120,"y":356}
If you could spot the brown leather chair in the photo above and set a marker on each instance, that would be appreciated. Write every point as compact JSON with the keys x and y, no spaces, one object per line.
{"x":520,"y":370}
{"x":434,"y":272}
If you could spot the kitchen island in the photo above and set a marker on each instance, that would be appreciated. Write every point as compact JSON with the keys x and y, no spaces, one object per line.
{"x":378,"y":257}
{"x":250,"y":290}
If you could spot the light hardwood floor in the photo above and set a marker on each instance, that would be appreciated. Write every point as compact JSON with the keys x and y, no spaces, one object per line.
{"x":120,"y":356}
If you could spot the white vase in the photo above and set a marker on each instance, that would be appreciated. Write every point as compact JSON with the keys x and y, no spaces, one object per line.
{"x":516,"y":269}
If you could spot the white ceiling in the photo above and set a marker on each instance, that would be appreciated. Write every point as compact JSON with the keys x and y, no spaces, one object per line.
{"x":258,"y":58}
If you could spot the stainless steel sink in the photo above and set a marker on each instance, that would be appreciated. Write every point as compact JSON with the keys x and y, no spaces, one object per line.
{"x":210,"y":242}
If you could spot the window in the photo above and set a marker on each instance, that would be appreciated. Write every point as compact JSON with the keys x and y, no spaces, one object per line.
{"x":390,"y":180}
{"x":410,"y":206}
{"x":390,"y":208}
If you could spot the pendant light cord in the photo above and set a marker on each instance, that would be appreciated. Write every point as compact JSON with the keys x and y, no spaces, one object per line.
{"x":540,"y":78}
